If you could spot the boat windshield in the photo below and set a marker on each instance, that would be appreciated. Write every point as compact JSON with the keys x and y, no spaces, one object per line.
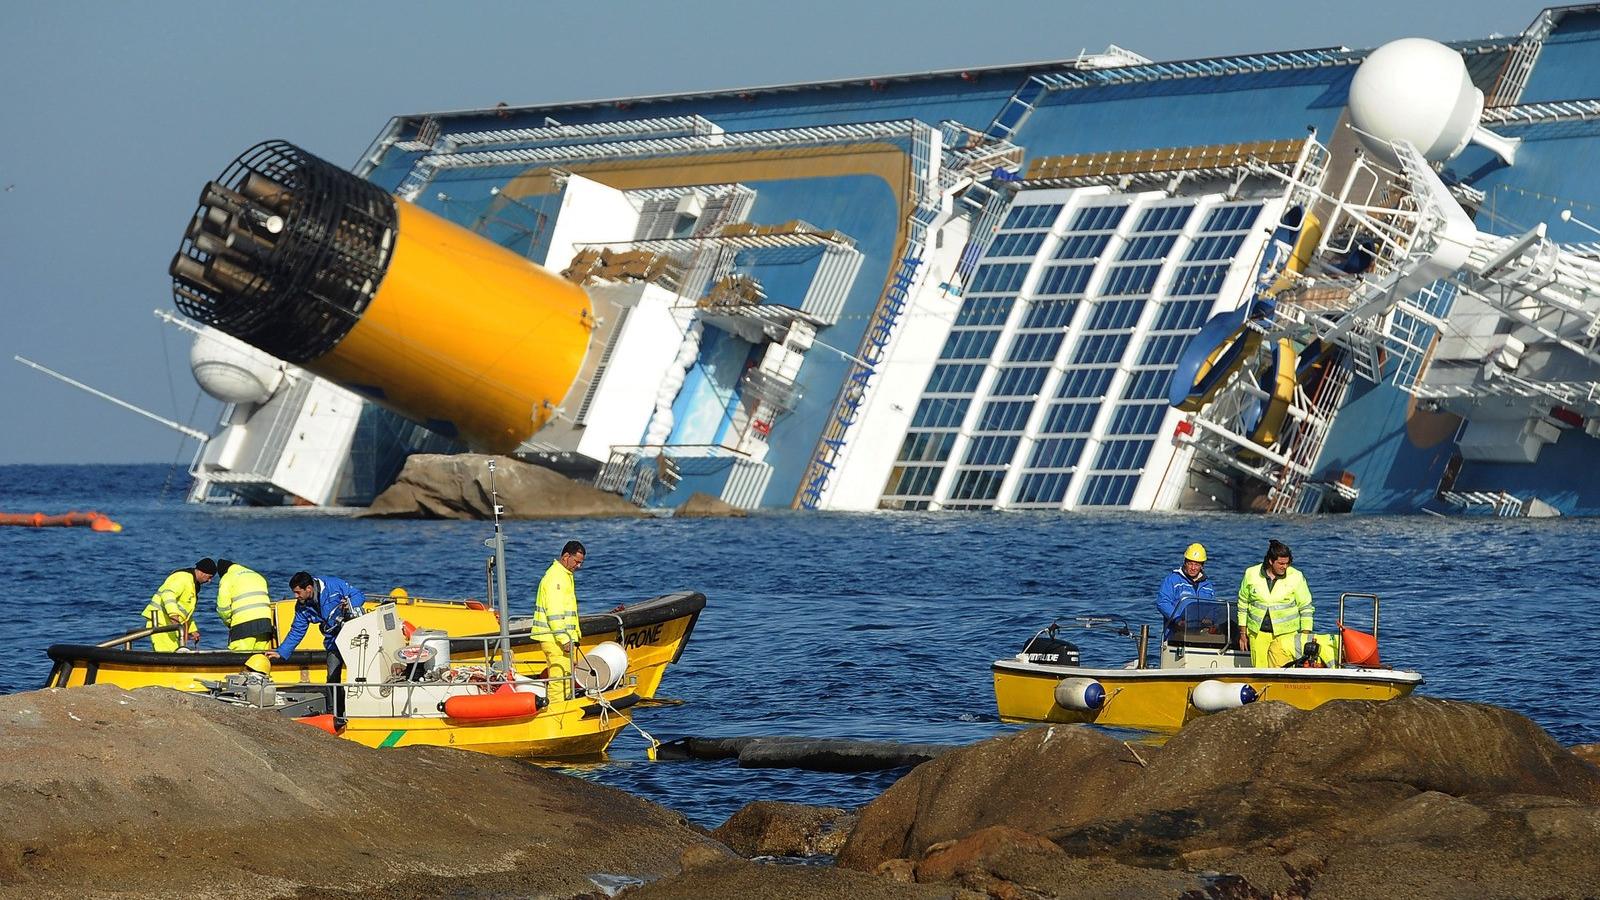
{"x":1204,"y":623}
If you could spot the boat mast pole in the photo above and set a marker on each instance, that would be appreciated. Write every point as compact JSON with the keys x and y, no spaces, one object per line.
{"x":499,"y":545}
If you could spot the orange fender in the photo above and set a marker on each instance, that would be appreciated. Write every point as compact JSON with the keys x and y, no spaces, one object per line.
{"x":499,"y":705}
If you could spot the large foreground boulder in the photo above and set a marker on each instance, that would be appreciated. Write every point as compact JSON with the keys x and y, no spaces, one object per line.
{"x":434,"y":486}
{"x":1415,"y":797}
{"x":154,"y":791}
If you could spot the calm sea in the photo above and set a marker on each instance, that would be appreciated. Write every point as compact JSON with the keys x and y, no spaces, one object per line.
{"x":871,"y":626}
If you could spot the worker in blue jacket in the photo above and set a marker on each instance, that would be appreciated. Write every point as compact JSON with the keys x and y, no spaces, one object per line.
{"x":327,"y":601}
{"x":1185,"y":585}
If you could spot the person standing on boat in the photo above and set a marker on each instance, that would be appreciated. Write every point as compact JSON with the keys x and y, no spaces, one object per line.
{"x":555,"y":617}
{"x":173,"y":604}
{"x":330,"y":602}
{"x":244,"y":604}
{"x":1183,"y":586}
{"x":1274,"y":600}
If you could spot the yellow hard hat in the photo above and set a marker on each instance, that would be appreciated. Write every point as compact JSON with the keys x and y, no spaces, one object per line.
{"x":258,"y":662}
{"x":1195,"y":553}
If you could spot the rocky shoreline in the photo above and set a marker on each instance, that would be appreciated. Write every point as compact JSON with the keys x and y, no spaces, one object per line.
{"x":152,"y":792}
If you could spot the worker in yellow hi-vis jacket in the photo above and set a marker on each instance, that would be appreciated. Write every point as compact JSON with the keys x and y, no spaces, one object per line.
{"x":173,"y":604}
{"x":555,"y":617}
{"x":245,"y":605}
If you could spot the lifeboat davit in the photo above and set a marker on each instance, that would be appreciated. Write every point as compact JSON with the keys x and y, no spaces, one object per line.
{"x":498,"y":705}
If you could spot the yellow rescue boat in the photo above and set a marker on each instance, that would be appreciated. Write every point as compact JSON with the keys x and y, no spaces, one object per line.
{"x":398,"y":692}
{"x":653,"y":632}
{"x":1199,"y":671}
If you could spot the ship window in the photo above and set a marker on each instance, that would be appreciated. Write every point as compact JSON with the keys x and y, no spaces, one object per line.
{"x":927,"y":446}
{"x":1148,"y":384}
{"x":1131,"y":280}
{"x":1136,"y":419}
{"x":1056,"y":453}
{"x":1049,"y":313}
{"x":1162,"y":350}
{"x":998,"y":278}
{"x":1109,"y":490}
{"x":970,"y":344}
{"x":1019,"y":381}
{"x":1115,"y":314}
{"x":1035,"y":347}
{"x":1024,"y":243}
{"x":1191,"y":281}
{"x":1005,"y":415}
{"x":1097,"y":218}
{"x":1231,"y":218}
{"x":1084,"y":383}
{"x":1163,"y":218}
{"x":1064,"y":280}
{"x":984,"y":311}
{"x":1082,"y":246}
{"x":1069,"y":418}
{"x":955,"y":378}
{"x":1155,"y":247}
{"x":1043,"y":488}
{"x":1100,"y":348}
{"x":1182,"y":315}
{"x":992,"y":450}
{"x":977,"y":484}
{"x":1031,"y":216}
{"x":940,"y":412}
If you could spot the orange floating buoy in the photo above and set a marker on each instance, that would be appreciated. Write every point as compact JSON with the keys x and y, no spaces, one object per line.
{"x":92,"y":520}
{"x":498,"y":705}
{"x":1359,"y":648}
{"x":324,"y":722}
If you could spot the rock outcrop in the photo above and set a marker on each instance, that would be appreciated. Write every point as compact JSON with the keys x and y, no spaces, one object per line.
{"x":150,"y":791}
{"x":434,"y":486}
{"x":769,"y":828}
{"x":701,"y":505}
{"x":1415,"y":797}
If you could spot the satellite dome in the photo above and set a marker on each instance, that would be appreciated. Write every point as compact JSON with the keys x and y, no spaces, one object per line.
{"x":1415,"y":90}
{"x":231,"y":370}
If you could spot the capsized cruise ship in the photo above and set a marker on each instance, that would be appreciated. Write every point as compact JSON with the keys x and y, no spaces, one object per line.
{"x":1296,"y":281}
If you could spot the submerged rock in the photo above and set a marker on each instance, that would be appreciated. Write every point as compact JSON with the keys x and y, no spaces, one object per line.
{"x":768,"y":828}
{"x":153,"y":790}
{"x":701,"y":505}
{"x":1415,"y":797}
{"x":435,"y":486}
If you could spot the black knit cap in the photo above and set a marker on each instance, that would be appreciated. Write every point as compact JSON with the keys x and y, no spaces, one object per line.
{"x":206,"y":565}
{"x":223,"y":565}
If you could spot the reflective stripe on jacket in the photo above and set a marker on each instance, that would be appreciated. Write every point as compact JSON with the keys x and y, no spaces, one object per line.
{"x":555,"y":608}
{"x":242,"y":596}
{"x":1287,"y":603}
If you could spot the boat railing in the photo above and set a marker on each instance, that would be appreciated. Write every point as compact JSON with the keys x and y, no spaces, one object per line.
{"x":125,"y":642}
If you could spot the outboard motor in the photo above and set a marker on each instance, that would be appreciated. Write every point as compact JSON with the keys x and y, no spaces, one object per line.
{"x":1046,"y":648}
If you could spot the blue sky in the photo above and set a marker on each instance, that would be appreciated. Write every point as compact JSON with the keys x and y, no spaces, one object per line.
{"x":114,"y":115}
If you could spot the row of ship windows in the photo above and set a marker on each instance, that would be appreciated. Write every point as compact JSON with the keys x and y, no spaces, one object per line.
{"x":1105,"y":338}
{"x":1066,"y":425}
{"x":1075,"y":384}
{"x":1047,"y":488}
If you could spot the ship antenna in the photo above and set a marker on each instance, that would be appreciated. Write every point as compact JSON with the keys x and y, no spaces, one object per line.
{"x":498,"y":544}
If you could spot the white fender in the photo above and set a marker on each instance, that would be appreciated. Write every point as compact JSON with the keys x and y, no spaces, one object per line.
{"x":1212,"y":695}
{"x":1080,"y":694}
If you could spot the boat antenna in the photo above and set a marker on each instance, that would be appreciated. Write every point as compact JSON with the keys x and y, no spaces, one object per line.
{"x":498,"y":544}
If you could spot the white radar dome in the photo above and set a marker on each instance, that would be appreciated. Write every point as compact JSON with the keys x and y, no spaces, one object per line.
{"x":231,"y":370}
{"x":1415,"y":90}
